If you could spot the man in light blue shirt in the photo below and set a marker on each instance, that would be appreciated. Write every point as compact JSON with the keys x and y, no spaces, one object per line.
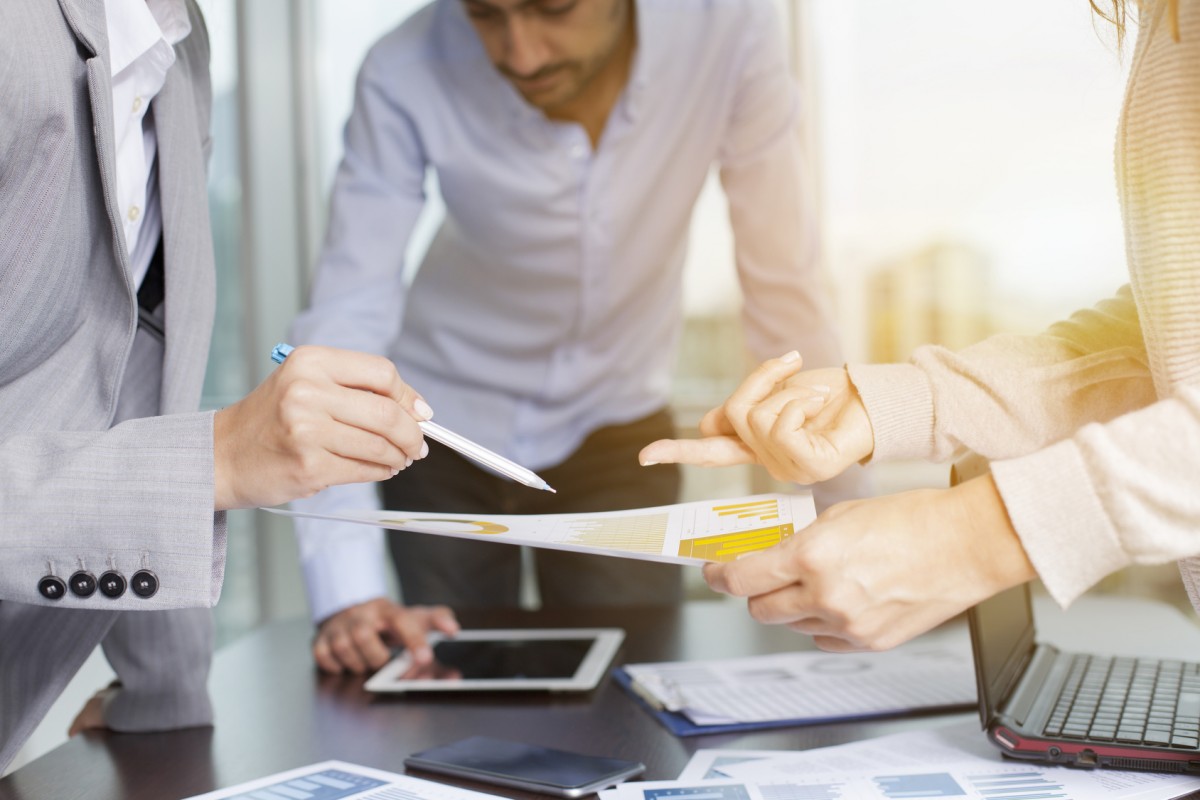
{"x":570,"y":139}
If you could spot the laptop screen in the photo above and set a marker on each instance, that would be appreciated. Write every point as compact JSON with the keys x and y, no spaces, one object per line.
{"x":1002,"y":637}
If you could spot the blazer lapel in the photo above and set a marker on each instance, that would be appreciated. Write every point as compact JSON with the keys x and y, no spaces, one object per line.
{"x":190,"y":296}
{"x":87,"y":20}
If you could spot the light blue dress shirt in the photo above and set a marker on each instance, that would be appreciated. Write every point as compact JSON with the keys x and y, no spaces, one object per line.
{"x":549,"y":302}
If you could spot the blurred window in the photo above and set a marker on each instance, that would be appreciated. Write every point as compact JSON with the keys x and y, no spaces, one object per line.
{"x":966,"y":159}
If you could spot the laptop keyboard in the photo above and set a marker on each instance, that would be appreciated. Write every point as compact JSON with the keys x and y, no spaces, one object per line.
{"x":1129,"y":700}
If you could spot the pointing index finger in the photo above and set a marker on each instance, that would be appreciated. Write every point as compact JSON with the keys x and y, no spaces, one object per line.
{"x":713,"y":451}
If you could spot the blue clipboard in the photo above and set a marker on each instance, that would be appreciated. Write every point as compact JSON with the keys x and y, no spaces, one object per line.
{"x":680,"y":725}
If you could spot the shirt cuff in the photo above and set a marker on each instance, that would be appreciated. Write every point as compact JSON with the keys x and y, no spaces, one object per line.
{"x":1060,"y":520}
{"x":348,"y":572}
{"x":899,"y":403}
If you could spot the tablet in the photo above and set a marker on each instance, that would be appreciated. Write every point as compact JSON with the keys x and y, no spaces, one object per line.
{"x":545,"y":659}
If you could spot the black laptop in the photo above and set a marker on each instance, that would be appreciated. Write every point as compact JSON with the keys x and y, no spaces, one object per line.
{"x":1081,"y":710}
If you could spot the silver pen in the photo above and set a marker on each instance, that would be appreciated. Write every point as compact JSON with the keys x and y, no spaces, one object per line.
{"x":481,"y":455}
{"x":461,"y":444}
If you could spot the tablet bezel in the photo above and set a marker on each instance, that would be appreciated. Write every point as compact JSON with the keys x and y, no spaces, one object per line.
{"x":604,"y":645}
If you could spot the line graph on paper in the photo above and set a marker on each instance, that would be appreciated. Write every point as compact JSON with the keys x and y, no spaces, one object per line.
{"x":642,"y":534}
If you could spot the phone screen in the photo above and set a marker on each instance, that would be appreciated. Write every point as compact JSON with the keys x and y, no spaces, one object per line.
{"x":524,"y":765}
{"x":505,"y":658}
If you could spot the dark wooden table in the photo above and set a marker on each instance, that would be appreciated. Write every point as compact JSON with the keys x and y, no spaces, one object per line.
{"x":275,"y":712}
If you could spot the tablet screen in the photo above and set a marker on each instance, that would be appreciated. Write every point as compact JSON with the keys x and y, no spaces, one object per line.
{"x":530,"y":658}
{"x":497,"y":659}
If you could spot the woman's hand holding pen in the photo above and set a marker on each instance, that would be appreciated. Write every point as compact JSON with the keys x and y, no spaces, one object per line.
{"x":804,"y":427}
{"x":324,"y":417}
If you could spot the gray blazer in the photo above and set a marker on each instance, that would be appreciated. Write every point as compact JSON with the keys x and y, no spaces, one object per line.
{"x":105,"y":464}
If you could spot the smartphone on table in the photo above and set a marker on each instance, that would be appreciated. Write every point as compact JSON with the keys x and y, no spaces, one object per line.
{"x":525,"y":766}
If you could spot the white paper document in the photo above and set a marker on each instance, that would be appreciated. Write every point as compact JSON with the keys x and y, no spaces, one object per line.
{"x":337,"y":780}
{"x":951,"y":761}
{"x":707,"y":764}
{"x":690,"y":790}
{"x":932,"y":672}
{"x":684,"y":533}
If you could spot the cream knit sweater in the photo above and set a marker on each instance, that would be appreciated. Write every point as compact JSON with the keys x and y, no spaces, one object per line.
{"x":1093,"y":427}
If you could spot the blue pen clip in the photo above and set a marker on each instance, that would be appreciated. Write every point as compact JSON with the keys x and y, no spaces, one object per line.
{"x":281,"y":351}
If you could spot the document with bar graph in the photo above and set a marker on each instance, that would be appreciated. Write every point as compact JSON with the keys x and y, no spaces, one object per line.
{"x":684,"y":533}
{"x":955,"y":761}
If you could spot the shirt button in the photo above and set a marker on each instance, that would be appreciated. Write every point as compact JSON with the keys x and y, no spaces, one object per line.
{"x":578,"y":151}
{"x":134,"y":213}
{"x":137,"y":104}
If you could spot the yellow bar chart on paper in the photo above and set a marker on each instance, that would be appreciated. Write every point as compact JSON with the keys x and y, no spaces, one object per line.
{"x":729,"y":544}
{"x":684,"y":533}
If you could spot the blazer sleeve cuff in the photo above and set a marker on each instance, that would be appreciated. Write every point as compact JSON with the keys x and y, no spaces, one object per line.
{"x":899,"y":403}
{"x":137,"y":497}
{"x":1059,"y":519}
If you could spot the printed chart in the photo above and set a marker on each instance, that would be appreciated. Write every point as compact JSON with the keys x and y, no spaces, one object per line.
{"x":1031,"y":785}
{"x":934,"y":784}
{"x":735,"y":540}
{"x":327,"y":784}
{"x":685,"y":533}
{"x":338,"y":780}
{"x":956,"y":781}
{"x":954,"y":761}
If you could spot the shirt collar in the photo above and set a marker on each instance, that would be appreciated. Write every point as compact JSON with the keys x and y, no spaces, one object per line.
{"x":135,"y":26}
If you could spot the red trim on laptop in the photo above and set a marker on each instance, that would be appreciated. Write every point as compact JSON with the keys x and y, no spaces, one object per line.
{"x":1014,"y":743}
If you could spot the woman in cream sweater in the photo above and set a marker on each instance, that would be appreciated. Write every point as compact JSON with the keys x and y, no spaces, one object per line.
{"x":1092,"y":428}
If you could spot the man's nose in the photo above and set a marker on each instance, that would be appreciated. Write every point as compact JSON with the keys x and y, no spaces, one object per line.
{"x":525,"y":52}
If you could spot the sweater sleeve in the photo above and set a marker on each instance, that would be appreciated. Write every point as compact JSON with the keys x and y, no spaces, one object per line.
{"x":1122,"y":493}
{"x":1069,"y":415}
{"x":1009,"y":395}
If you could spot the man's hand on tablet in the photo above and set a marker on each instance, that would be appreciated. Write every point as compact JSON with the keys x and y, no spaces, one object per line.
{"x":359,"y":639}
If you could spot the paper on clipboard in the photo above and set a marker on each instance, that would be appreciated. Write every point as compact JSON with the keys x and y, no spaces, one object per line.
{"x":684,"y":533}
{"x":935,"y":671}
